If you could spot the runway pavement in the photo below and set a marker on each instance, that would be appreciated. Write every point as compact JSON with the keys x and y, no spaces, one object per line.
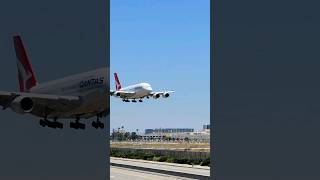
{"x":119,"y":173}
{"x":161,"y":169}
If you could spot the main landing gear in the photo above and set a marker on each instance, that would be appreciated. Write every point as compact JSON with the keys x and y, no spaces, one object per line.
{"x":134,"y":100}
{"x":97,"y":124}
{"x":77,"y":124}
{"x":52,"y":124}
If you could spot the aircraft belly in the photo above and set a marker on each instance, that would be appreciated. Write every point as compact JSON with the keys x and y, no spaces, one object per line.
{"x":139,"y":94}
{"x":91,"y":108}
{"x":96,"y":102}
{"x":87,"y":111}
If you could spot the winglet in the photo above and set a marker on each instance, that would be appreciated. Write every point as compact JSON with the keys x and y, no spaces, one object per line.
{"x":26,"y":75}
{"x":118,"y":85}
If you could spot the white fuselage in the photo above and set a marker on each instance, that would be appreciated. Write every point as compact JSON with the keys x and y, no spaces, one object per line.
{"x":140,"y":90}
{"x":92,"y":87}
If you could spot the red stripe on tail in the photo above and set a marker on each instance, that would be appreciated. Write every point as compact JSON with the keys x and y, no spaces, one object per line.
{"x":26,"y":75}
{"x":118,"y":85}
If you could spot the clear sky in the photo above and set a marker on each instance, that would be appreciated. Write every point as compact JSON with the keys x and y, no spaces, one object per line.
{"x":165,"y":43}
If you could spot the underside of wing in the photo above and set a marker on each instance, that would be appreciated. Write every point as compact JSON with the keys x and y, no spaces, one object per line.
{"x":122,"y":94}
{"x":38,"y":104}
{"x":161,"y":92}
{"x":6,"y":98}
{"x":56,"y":102}
{"x":164,"y":94}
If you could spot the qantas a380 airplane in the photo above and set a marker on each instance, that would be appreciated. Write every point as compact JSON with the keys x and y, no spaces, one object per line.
{"x":82,"y":95}
{"x":137,"y":91}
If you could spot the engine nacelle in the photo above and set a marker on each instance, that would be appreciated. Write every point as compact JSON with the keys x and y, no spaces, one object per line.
{"x":22,"y":105}
{"x":165,"y":95}
{"x":117,"y":94}
{"x":156,"y":96}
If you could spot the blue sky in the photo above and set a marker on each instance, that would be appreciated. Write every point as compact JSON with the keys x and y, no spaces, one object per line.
{"x":165,"y":43}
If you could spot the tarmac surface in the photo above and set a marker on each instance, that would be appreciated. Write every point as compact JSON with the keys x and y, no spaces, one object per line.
{"x":124,"y":168}
{"x":119,"y":173}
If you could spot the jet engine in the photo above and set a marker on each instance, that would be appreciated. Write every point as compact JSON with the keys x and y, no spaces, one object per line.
{"x":165,"y":95}
{"x":22,"y":105}
{"x":156,"y":96}
{"x":117,"y":94}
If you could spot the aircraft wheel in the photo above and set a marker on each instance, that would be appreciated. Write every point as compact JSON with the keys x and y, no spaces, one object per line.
{"x":72,"y":125}
{"x":50,"y":124}
{"x":60,"y":125}
{"x":94,"y":124}
{"x":81,"y":126}
{"x":42,"y":123}
{"x":101,"y":125}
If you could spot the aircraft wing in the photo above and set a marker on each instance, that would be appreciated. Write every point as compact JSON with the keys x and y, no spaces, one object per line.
{"x":41,"y":101}
{"x":162,"y":93}
{"x":112,"y":92}
{"x":122,"y":94}
{"x":6,"y":98}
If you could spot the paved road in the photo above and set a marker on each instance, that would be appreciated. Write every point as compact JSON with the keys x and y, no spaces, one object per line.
{"x":182,"y":168}
{"x":119,"y":173}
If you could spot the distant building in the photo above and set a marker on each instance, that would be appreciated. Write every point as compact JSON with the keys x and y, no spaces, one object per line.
{"x":206,"y":126}
{"x":177,"y":134}
{"x":168,"y":130}
{"x":148,"y":131}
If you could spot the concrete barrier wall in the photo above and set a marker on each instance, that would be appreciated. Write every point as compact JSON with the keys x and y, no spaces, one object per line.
{"x":170,"y":153}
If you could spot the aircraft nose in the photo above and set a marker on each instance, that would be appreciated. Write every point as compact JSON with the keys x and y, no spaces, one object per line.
{"x":148,"y":88}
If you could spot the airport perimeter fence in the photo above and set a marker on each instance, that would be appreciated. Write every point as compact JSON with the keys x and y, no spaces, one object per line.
{"x":192,"y":155}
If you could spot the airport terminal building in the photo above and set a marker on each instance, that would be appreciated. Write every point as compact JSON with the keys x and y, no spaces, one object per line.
{"x":189,"y":134}
{"x":168,"y":130}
